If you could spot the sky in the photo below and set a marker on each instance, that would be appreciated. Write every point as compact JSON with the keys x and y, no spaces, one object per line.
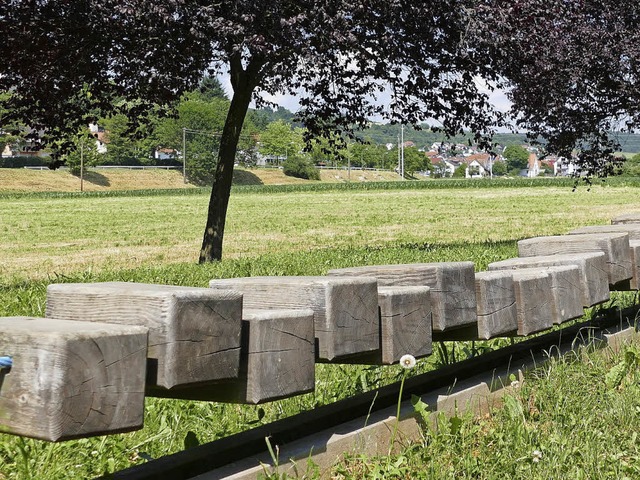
{"x":497,"y":97}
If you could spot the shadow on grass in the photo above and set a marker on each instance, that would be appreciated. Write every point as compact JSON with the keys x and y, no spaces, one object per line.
{"x":244,"y":177}
{"x":96,"y":178}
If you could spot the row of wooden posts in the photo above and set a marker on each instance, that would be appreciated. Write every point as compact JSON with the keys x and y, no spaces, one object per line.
{"x":85,"y":369}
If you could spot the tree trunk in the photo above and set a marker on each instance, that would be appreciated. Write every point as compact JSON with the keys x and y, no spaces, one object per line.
{"x":243,"y":83}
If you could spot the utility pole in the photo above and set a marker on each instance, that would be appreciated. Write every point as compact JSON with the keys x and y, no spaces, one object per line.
{"x":399,"y":154}
{"x":402,"y":151}
{"x":81,"y":165}
{"x":184,"y":154}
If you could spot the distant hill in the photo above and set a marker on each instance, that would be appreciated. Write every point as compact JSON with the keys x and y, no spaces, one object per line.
{"x":630,"y":142}
{"x":386,"y":133}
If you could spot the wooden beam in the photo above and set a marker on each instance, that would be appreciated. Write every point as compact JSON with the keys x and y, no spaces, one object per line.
{"x":633,"y":229}
{"x":565,"y":292}
{"x":593,"y":272}
{"x":194,"y":333}
{"x":326,"y":422}
{"x":345,"y":309}
{"x":405,"y":323}
{"x":633,"y":217}
{"x":277,"y":361}
{"x":281,"y":354}
{"x":71,"y":379}
{"x":452,"y":285}
{"x":634,"y":246}
{"x":614,"y":245}
{"x":497,"y":311}
{"x":533,"y":300}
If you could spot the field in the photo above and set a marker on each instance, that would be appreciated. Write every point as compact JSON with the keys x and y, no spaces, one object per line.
{"x":155,"y":237}
{"x":43,"y":236}
{"x":104,"y":180}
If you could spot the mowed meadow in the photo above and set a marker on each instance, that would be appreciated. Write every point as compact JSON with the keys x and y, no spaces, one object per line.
{"x":154,"y":237}
{"x":42,"y":236}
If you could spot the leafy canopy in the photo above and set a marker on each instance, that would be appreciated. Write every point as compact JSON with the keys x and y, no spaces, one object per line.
{"x":572,"y":70}
{"x":99,"y":56}
{"x":517,"y":157}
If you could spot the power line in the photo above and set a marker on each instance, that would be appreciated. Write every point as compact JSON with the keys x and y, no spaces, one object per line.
{"x":213,"y":134}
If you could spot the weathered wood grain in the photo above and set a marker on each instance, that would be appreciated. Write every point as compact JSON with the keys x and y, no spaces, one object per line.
{"x":345,"y":309}
{"x":533,"y":301}
{"x":593,"y":272}
{"x":497,"y":312}
{"x":632,"y":217}
{"x":194,"y":333}
{"x":71,"y":379}
{"x":614,"y":245}
{"x":633,"y":229}
{"x":452,"y":285}
{"x":405,"y":323}
{"x":281,"y":354}
{"x":634,"y":246}
{"x":277,"y":361}
{"x":565,"y":292}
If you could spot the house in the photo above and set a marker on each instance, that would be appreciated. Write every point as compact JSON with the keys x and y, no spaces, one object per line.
{"x":269,"y":160}
{"x":533,"y":166}
{"x":101,"y":137}
{"x":165,"y":154}
{"x":564,"y":167}
{"x":478,"y":165}
{"x":25,"y":148}
{"x":444,"y":167}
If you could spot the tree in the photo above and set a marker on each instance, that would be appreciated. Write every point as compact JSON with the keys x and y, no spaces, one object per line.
{"x":297,"y":166}
{"x":363,"y":154}
{"x":203,"y":117}
{"x":573,"y":81}
{"x":570,"y":80}
{"x":122,"y":149}
{"x":280,"y":140}
{"x":85,"y":153}
{"x":339,"y":54}
{"x":10,"y":133}
{"x":460,"y":171}
{"x":203,"y":121}
{"x":210,"y":89}
{"x":321,"y":153}
{"x":631,"y":167}
{"x":499,"y":168}
{"x":415,"y":161}
{"x":516,"y":156}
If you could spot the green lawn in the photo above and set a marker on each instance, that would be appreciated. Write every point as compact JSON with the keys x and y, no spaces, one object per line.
{"x":155,"y":238}
{"x":42,"y":236}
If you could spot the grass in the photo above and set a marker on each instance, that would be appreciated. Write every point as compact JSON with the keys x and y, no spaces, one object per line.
{"x":565,"y":421}
{"x":41,"y":236}
{"x":24,"y":180}
{"x":105,"y":180}
{"x":154,"y":237}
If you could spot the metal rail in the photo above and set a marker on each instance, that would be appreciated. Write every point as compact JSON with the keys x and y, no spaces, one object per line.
{"x":204,"y":458}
